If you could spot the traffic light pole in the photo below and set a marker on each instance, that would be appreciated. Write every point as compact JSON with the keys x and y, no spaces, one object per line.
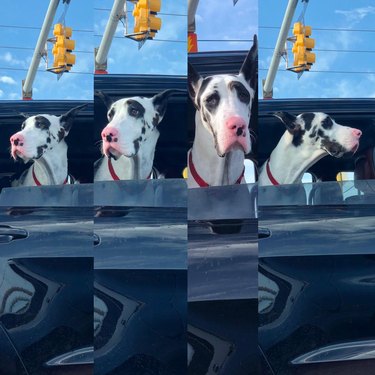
{"x":279,"y":48}
{"x":101,"y":53}
{"x":27,"y":84}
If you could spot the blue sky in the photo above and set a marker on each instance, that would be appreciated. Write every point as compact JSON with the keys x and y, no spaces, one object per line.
{"x":226,"y":22}
{"x":333,"y":14}
{"x":155,"y":57}
{"x":71,"y":86}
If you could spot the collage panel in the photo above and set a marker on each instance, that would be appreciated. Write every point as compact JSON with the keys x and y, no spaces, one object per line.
{"x":222,"y":214}
{"x":140,"y":202}
{"x":46,"y":197}
{"x":316,"y":201}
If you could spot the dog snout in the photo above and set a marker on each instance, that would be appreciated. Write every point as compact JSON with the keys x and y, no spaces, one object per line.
{"x":237,"y":125}
{"x":356,"y":132}
{"x":17,"y":139}
{"x":110,"y":134}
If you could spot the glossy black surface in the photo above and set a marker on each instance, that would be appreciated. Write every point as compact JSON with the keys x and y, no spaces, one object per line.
{"x":140,"y":277}
{"x":80,"y":139}
{"x":222,"y":281}
{"x":46,"y":311}
{"x":316,"y":288}
{"x":171,"y":149}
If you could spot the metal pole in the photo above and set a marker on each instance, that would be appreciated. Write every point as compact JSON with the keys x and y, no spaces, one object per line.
{"x":192,"y":9}
{"x":27,"y":84}
{"x":110,"y":29}
{"x":279,"y":48}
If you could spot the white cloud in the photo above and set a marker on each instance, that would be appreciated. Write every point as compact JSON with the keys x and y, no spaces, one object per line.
{"x":356,"y":15}
{"x":1,"y":93}
{"x":8,"y":80}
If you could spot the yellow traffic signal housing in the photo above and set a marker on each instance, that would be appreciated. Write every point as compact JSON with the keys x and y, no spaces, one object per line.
{"x":146,"y":22}
{"x":302,"y":47}
{"x":63,"y":59}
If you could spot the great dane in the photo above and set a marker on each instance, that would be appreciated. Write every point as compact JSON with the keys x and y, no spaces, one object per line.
{"x":222,"y":135}
{"x":129,"y":140}
{"x":42,"y":140}
{"x":308,"y":138}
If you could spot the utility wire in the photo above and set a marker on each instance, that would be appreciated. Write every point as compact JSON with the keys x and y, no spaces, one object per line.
{"x":37,"y":28}
{"x":327,"y":71}
{"x":331,"y":50}
{"x":163,"y":14}
{"x":43,"y":71}
{"x":325,"y":29}
{"x":32,"y":49}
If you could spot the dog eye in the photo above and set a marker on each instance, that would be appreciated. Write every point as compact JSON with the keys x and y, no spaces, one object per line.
{"x":213,"y":100}
{"x":37,"y":124}
{"x":134,"y":112}
{"x":244,"y":95}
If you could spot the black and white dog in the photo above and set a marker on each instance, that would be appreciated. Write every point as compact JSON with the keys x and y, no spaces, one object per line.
{"x":222,"y":135}
{"x":129,"y":140}
{"x":42,"y":140}
{"x":308,"y":138}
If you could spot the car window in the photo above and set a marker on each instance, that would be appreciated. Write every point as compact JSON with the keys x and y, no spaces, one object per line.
{"x":319,"y":193}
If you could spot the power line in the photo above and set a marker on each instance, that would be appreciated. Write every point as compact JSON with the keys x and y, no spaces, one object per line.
{"x":154,"y":40}
{"x":331,"y":50}
{"x":32,"y":49}
{"x":42,"y":71}
{"x":325,"y":29}
{"x":38,"y":28}
{"x":226,"y":40}
{"x":163,"y":14}
{"x":327,"y":71}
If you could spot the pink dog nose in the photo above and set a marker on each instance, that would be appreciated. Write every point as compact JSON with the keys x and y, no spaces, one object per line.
{"x":356,"y":132}
{"x":110,"y":134}
{"x":237,"y":125}
{"x":17,"y":139}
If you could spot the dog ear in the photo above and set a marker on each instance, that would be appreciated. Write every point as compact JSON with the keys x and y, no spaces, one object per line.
{"x":160,"y":100}
{"x":194,"y":81}
{"x":289,"y":121}
{"x":67,"y":119}
{"x":104,"y":97}
{"x":249,"y":68}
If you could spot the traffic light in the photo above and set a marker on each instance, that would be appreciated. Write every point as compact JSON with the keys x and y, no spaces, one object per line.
{"x":63,"y":59}
{"x":145,"y":20}
{"x":302,"y":47}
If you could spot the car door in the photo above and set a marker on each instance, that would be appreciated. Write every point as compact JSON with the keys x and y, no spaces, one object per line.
{"x":140,"y":277}
{"x":316,"y":278}
{"x":46,"y":273}
{"x":222,"y":281}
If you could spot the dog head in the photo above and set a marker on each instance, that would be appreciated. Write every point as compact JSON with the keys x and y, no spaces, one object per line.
{"x":319,"y":131}
{"x":131,"y":122}
{"x":224,"y":103}
{"x":40,"y":134}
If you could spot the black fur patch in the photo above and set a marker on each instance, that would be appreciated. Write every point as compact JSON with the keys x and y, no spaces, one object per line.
{"x":202,"y":89}
{"x":135,"y":109}
{"x":212,"y":101}
{"x":242,"y":93}
{"x":333,"y":147}
{"x":136,"y":144}
{"x":327,"y":123}
{"x":298,"y":137}
{"x":155,"y":120}
{"x":61,"y":134}
{"x":48,"y":140}
{"x":42,"y":123}
{"x":308,"y":119}
{"x":143,"y":130}
{"x":39,"y":151}
{"x":111,"y":113}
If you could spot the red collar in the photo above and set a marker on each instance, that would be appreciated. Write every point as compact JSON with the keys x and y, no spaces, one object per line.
{"x":37,"y":182}
{"x":198,"y":179}
{"x":269,"y":174}
{"x":113,"y":173}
